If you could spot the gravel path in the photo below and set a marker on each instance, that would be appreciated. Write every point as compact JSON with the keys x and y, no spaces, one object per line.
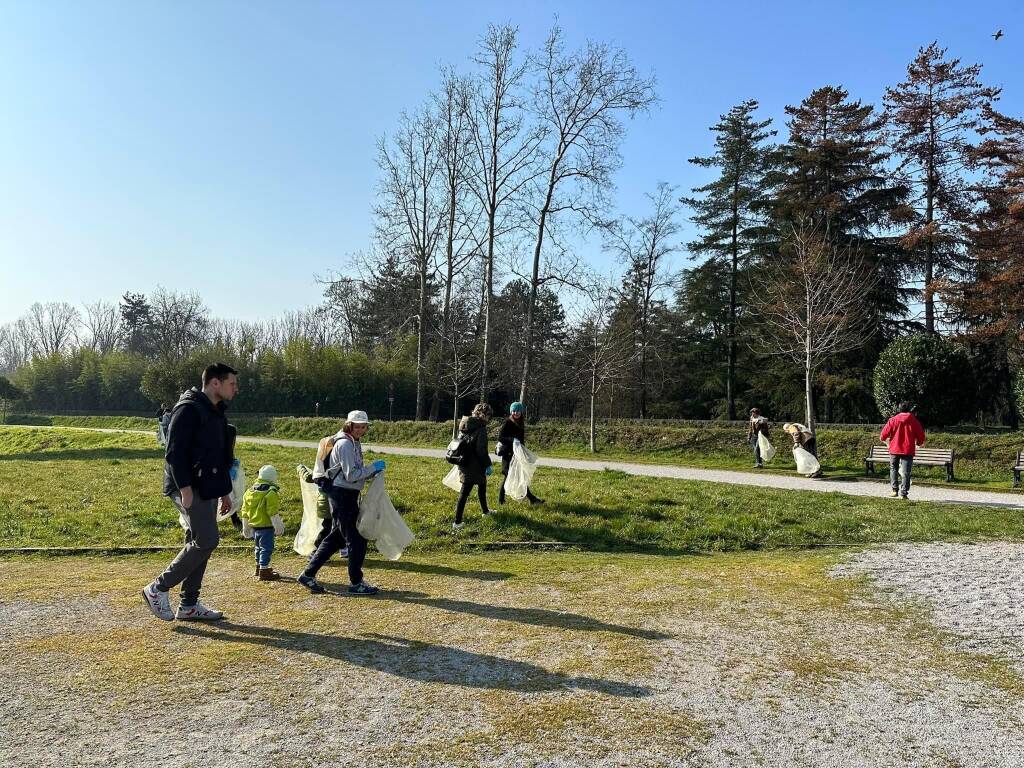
{"x":973,"y":590}
{"x":502,"y":661}
{"x":852,"y":487}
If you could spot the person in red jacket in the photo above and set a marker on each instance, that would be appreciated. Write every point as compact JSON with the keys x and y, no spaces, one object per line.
{"x":903,"y":433}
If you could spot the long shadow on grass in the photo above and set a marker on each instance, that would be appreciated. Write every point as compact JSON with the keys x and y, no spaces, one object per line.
{"x":86,"y":454}
{"x":440,"y":570}
{"x":537,"y":616}
{"x":415,"y":660}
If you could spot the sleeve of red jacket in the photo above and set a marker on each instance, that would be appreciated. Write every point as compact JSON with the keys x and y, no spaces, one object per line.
{"x":918,"y":432}
{"x":886,"y":431}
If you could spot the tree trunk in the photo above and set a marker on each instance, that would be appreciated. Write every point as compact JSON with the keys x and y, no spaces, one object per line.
{"x":593,"y":407}
{"x":730,"y":376}
{"x":809,"y":383}
{"x":538,"y":245}
{"x":421,"y":342}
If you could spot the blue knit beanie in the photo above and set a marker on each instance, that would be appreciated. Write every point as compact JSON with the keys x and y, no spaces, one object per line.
{"x":516,"y":407}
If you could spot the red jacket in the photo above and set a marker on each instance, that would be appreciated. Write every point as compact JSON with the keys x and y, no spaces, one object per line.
{"x":904,"y":433}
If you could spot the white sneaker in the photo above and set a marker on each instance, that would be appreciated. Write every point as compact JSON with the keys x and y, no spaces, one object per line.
{"x":157,"y":602}
{"x":197,"y":612}
{"x":457,"y":526}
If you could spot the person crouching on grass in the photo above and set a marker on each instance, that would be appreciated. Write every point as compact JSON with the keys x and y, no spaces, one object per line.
{"x":345,"y":465}
{"x":260,"y":518}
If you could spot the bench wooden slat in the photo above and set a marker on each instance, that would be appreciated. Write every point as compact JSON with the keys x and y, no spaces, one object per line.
{"x":928,"y":457}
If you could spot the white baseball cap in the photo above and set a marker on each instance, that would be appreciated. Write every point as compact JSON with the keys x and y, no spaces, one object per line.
{"x":357,"y":417}
{"x":268,"y":472}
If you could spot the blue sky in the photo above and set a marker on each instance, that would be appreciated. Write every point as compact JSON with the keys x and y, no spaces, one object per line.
{"x":228,"y":147}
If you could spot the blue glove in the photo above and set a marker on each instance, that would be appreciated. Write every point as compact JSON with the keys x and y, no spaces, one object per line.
{"x":378,"y":465}
{"x":489,"y":471}
{"x":234,"y":469}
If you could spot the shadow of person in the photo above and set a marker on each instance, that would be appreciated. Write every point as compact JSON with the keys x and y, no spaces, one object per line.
{"x":537,"y":616}
{"x":414,"y":660}
{"x":439,"y":570}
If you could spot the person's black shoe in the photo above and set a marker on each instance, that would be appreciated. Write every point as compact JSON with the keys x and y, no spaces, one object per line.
{"x":535,"y":502}
{"x":311,"y":584}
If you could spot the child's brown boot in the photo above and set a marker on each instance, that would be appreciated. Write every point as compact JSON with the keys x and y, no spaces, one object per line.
{"x":268,"y":574}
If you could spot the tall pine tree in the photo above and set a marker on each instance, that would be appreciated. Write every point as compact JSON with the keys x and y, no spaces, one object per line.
{"x":833,"y":179}
{"x":729,"y":212}
{"x":932,"y":116}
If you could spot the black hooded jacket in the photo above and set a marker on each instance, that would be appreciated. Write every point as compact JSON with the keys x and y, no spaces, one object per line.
{"x":200,"y":447}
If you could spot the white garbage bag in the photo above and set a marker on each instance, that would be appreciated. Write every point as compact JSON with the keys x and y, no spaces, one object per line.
{"x":380,"y":522}
{"x":161,"y":436}
{"x":311,"y":524}
{"x":453,"y":480}
{"x":806,"y":464}
{"x":238,"y":489}
{"x":766,"y":448}
{"x":520,"y":471}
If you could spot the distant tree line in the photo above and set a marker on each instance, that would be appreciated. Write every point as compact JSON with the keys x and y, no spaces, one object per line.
{"x":820,"y":243}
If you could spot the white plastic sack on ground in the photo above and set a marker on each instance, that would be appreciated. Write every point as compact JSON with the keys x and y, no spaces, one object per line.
{"x":380,"y":522}
{"x":806,"y":464}
{"x":453,"y":480}
{"x":520,"y":471}
{"x":238,"y":489}
{"x":766,"y":448}
{"x":311,"y":522}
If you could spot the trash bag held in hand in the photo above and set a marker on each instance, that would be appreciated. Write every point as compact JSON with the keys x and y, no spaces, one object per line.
{"x":311,"y":520}
{"x":766,"y":448}
{"x":520,"y":471}
{"x":380,"y":522}
{"x":238,"y":489}
{"x":806,"y":464}
{"x":453,"y":480}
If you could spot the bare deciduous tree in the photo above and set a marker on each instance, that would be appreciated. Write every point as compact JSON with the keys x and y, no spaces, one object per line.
{"x":180,"y":322}
{"x":504,"y":149}
{"x":601,"y":351}
{"x":579,"y":98}
{"x":463,"y":211}
{"x":103,"y":322}
{"x":412,"y":214}
{"x":644,"y":245}
{"x":812,"y":303}
{"x":54,"y":326}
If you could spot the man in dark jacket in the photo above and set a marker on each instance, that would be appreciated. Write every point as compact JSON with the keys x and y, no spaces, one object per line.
{"x":476,"y":460}
{"x":513,"y":429}
{"x":199,"y":455}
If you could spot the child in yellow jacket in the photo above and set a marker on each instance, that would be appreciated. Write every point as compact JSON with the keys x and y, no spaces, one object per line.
{"x":261,"y":521}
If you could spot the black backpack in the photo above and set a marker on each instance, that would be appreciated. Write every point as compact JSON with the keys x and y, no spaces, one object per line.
{"x":458,"y":449}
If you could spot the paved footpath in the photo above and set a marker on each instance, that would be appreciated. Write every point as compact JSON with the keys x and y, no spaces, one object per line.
{"x":844,"y":484}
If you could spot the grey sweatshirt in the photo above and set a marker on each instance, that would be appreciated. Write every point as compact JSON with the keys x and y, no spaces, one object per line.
{"x":347,"y":461}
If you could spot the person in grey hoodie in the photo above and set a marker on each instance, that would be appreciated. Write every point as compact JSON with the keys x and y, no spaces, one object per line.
{"x":348,"y":476}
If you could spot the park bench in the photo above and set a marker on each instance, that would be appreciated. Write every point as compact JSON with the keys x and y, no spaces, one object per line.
{"x":925,"y":457}
{"x":1018,"y":469}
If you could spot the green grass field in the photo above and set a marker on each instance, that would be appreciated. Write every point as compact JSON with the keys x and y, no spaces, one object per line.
{"x":67,"y":488}
{"x":983,"y":460}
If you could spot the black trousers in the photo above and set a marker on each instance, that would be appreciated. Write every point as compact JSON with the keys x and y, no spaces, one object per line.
{"x":344,"y":513}
{"x":467,"y":488}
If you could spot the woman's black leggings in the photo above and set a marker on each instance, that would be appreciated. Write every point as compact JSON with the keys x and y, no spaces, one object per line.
{"x":467,"y":488}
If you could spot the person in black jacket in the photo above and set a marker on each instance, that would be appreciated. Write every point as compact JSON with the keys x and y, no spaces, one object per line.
{"x":199,"y":456}
{"x":476,"y":462}
{"x":513,"y":429}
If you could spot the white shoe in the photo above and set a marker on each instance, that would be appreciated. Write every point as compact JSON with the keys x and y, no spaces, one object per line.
{"x":157,"y":602}
{"x":197,"y":612}
{"x":457,"y":526}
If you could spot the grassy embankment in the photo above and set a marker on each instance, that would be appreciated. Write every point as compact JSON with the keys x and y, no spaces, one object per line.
{"x":983,"y":460}
{"x":68,"y":488}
